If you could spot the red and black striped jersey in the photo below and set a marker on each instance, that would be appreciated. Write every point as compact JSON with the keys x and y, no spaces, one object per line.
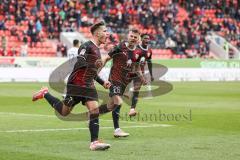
{"x":144,"y":54}
{"x":124,"y":60}
{"x":85,"y":69}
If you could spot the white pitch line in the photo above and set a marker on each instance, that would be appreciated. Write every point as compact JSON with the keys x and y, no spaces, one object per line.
{"x":130,"y":122}
{"x":26,"y":115}
{"x":54,"y":116}
{"x":70,"y":129}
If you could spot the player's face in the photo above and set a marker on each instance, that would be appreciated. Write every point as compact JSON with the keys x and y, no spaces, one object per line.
{"x":133,"y":38}
{"x":145,"y":40}
{"x":102,"y":34}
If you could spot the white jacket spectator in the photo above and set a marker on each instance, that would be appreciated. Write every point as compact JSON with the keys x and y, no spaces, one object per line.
{"x":73,"y":52}
{"x":24,"y":50}
{"x":170,"y":43}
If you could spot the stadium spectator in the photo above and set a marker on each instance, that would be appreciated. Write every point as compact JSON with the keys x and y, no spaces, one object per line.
{"x":34,"y":37}
{"x":78,"y":17}
{"x":237,"y":14}
{"x":1,"y":52}
{"x":226,"y":47}
{"x":46,"y":4}
{"x":38,"y":4}
{"x":202,"y":50}
{"x":64,"y":50}
{"x":59,"y":54}
{"x":231,"y":54}
{"x":51,"y":30}
{"x":18,"y":17}
{"x":2,"y":24}
{"x":38,"y":26}
{"x":59,"y":15}
{"x":170,"y":44}
{"x":238,"y":45}
{"x":24,"y":47}
{"x":222,"y":10}
{"x":14,"y":31}
{"x":25,"y":39}
{"x":4,"y":45}
{"x":61,"y":50}
{"x":12,"y":52}
{"x":192,"y":53}
{"x":180,"y":47}
{"x":62,"y":14}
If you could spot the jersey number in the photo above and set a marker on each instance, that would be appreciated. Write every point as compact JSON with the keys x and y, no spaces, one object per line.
{"x":116,"y":89}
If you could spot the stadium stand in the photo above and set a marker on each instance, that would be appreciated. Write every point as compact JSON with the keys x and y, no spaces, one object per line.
{"x":38,"y":23}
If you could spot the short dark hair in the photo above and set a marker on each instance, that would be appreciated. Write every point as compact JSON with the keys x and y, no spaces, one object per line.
{"x":134,"y":30}
{"x":95,"y":26}
{"x":144,"y":34}
{"x":75,"y":42}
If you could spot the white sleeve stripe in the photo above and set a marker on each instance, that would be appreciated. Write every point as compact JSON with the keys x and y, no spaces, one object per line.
{"x":82,"y":52}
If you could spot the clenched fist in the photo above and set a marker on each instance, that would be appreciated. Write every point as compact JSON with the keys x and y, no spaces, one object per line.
{"x":99,"y":63}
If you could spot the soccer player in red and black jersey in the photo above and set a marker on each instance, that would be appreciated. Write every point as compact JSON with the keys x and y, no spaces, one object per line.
{"x":144,"y":57}
{"x":80,"y":85}
{"x":122,"y":71}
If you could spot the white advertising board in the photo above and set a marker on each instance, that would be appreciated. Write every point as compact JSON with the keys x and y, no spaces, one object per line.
{"x":39,"y":69}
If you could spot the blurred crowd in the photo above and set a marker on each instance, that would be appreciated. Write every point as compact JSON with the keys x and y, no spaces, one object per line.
{"x":219,"y":16}
{"x":47,"y":18}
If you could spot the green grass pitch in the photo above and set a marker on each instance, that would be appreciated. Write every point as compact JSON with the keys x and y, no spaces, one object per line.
{"x":30,"y":131}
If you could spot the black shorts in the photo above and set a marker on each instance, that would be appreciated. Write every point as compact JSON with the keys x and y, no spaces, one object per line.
{"x":77,"y":94}
{"x":117,"y":88}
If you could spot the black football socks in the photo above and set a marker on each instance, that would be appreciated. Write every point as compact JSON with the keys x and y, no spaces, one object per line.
{"x":94,"y":126}
{"x":115,"y":115}
{"x":54,"y":102}
{"x":135,"y":99}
